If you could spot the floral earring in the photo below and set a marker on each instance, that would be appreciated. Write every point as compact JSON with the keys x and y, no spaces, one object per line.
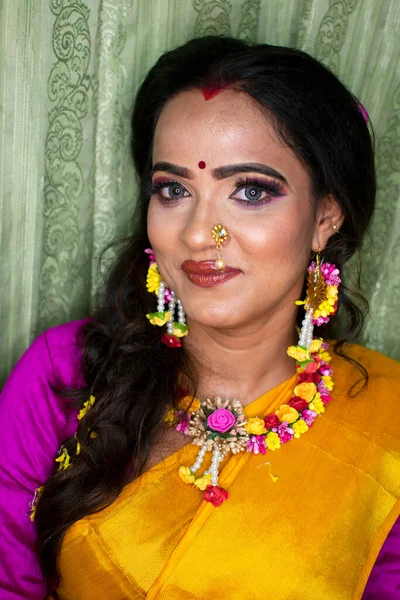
{"x":321,"y":298}
{"x":156,"y":285}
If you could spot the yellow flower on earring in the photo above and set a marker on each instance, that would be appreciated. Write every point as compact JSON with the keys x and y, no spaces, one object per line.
{"x":298,"y":353}
{"x":315,"y":346}
{"x":159,"y":318}
{"x":153,"y":279}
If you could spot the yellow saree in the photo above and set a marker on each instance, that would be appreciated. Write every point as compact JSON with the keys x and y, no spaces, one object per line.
{"x":315,"y":533}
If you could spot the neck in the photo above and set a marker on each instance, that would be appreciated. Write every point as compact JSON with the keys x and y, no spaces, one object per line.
{"x":241,"y":364}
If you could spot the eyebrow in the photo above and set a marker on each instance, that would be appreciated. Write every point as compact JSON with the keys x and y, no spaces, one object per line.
{"x":219,"y":172}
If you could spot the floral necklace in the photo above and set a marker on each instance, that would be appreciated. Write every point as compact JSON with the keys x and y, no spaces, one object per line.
{"x":220,"y":425}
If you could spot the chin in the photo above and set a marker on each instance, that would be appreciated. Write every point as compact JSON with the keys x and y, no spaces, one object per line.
{"x":219,"y":317}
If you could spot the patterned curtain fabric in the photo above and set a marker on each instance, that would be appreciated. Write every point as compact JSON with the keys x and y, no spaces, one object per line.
{"x":70,"y":70}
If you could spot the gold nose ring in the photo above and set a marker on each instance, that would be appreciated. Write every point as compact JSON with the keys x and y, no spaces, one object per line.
{"x":220,"y":234}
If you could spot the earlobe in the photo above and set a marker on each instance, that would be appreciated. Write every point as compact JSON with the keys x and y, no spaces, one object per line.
{"x":329,"y":220}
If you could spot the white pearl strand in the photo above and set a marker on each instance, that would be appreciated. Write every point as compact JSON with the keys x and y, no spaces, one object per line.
{"x":181,"y":313}
{"x":160,"y":296}
{"x":217,"y":458}
{"x":307,"y":329}
{"x":199,"y":460}
{"x":171,"y":308}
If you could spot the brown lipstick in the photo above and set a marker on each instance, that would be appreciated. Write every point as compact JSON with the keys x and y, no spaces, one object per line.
{"x":205,"y":274}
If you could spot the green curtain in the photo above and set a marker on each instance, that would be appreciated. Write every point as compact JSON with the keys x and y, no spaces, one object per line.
{"x":70,"y":70}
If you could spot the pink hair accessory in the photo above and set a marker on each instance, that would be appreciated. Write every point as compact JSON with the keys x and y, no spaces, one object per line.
{"x":363,"y":111}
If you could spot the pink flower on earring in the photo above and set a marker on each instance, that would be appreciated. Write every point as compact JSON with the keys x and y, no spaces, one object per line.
{"x":150,"y":252}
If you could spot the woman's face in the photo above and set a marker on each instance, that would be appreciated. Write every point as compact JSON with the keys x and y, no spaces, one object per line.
{"x":219,"y":161}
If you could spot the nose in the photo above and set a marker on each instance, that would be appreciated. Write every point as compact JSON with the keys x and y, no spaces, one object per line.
{"x":198,"y":232}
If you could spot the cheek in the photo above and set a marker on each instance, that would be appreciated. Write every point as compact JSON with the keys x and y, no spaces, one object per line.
{"x":157,"y":232}
{"x":279,"y":238}
{"x":162,"y":237}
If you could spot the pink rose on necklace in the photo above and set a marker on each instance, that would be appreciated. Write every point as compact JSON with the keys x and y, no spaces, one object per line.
{"x":221,"y":420}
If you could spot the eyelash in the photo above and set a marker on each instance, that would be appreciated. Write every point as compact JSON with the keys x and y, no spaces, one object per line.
{"x":273,"y":188}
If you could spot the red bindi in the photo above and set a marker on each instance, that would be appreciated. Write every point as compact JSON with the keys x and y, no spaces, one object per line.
{"x":202,"y":164}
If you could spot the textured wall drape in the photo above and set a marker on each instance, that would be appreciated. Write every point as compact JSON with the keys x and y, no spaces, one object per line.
{"x":69,"y":73}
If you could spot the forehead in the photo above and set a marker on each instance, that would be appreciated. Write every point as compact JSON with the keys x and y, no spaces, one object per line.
{"x":229,"y":128}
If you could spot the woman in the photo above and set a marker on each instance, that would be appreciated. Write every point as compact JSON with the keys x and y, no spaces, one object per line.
{"x":256,"y":187}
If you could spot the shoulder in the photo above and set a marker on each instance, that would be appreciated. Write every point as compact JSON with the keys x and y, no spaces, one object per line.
{"x":64,"y":344}
{"x":53,"y":359}
{"x":378,"y":401}
{"x":381,"y":369}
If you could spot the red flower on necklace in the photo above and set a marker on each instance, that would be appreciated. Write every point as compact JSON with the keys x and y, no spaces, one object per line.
{"x":298,"y":403}
{"x":271,"y":421}
{"x":215,"y":494}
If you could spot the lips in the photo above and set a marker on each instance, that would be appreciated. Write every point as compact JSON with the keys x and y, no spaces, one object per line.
{"x":205,"y":267}
{"x":204,"y":273}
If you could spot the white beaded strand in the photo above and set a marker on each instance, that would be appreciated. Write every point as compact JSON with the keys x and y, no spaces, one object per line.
{"x":199,"y":460}
{"x":181,"y":313}
{"x":307,"y":329}
{"x":171,"y":308}
{"x":161,"y":297}
{"x":217,"y":458}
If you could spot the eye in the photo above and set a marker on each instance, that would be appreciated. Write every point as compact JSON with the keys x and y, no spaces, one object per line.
{"x":167,"y":190}
{"x":252,"y":192}
{"x":257,"y":192}
{"x":174,"y":190}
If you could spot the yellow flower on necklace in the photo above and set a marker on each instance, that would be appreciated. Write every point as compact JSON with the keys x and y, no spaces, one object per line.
{"x":186,"y":475}
{"x":287,"y":413}
{"x":317,"y":405}
{"x":272,"y":441}
{"x":256,"y":426}
{"x":153,"y":279}
{"x":306,"y":391}
{"x":327,"y":379}
{"x":299,"y":427}
{"x":202,"y":482}
{"x":325,"y":356}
